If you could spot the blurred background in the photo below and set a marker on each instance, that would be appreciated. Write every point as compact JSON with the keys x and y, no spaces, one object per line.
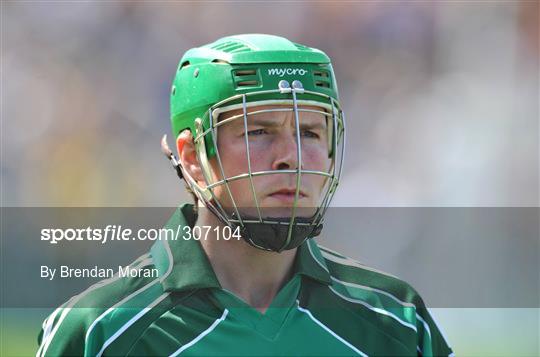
{"x":441,"y":99}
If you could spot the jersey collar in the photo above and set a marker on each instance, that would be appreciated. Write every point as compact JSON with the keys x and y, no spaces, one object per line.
{"x":183,"y":265}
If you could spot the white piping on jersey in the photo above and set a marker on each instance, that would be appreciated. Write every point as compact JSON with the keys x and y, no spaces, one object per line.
{"x":46,"y":340}
{"x":363,"y":287}
{"x":375,"y":309}
{"x":109,"y":310}
{"x":314,"y":257}
{"x":352,"y":263}
{"x":204,"y":333}
{"x":358,"y":265}
{"x":332,"y":251}
{"x":327,"y":329}
{"x":341,"y":259}
{"x":48,"y":321}
{"x":48,"y":324}
{"x":384,"y":312}
{"x":131,"y":322}
{"x":170,"y":257}
{"x":357,"y":285}
{"x":426,"y":326}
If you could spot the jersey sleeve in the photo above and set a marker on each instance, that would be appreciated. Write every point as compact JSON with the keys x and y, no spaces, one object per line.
{"x":431,"y":341}
{"x":62,"y":333}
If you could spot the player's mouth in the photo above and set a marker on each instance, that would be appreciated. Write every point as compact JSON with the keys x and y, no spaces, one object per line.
{"x":287,"y":195}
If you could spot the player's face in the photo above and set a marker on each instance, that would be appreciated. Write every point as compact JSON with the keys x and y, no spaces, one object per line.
{"x":273,"y":146}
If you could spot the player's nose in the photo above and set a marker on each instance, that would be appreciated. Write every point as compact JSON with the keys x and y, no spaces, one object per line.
{"x":285,"y":151}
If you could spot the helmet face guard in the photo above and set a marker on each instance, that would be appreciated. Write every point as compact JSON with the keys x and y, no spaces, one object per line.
{"x":272,"y":232}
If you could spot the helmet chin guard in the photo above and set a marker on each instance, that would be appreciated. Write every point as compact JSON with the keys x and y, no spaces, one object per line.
{"x":275,"y":236}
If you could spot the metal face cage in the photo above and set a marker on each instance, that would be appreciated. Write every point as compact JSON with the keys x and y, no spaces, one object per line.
{"x":284,"y":233}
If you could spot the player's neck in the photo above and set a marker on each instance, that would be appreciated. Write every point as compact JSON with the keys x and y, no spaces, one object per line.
{"x":252,"y":274}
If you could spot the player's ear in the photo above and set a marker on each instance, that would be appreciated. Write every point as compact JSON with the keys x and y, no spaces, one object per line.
{"x":188,"y":156}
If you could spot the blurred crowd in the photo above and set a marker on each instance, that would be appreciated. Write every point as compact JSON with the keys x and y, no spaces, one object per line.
{"x":441,"y":97}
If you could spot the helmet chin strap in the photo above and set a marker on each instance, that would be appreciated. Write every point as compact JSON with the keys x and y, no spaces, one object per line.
{"x":273,"y":236}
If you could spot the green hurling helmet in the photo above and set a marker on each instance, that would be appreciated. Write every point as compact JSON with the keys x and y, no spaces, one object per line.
{"x":245,"y":72}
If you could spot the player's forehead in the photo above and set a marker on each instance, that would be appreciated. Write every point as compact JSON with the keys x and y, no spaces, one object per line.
{"x":306,"y":113}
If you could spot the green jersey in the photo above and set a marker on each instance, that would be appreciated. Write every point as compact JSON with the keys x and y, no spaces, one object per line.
{"x":331,"y":306}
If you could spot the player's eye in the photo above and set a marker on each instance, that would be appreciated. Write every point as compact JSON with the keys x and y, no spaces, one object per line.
{"x":256,"y":132}
{"x":310,"y":134}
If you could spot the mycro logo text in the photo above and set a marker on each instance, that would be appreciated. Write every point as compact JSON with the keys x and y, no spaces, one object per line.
{"x":286,"y":71}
